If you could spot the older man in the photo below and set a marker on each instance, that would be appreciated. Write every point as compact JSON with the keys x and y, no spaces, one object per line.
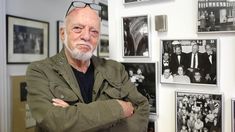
{"x":75,"y":91}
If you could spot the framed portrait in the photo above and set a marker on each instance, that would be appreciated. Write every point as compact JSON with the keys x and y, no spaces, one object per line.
{"x":136,"y":33}
{"x":60,"y":45}
{"x":189,"y":61}
{"x":216,"y":16}
{"x":134,"y":1}
{"x":201,"y":112}
{"x":27,"y":40}
{"x":103,"y":48}
{"x":143,"y":75}
{"x":233,"y":114}
{"x":22,"y":119}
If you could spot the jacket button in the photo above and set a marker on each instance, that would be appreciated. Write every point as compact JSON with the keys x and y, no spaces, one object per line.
{"x":62,"y":96}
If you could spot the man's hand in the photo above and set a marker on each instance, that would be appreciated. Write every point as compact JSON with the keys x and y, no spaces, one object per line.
{"x":127,"y":108}
{"x":59,"y":103}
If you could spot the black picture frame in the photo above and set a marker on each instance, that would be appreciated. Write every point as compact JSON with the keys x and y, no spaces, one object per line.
{"x":27,"y":39}
{"x":103,"y":47}
{"x":215,"y":16}
{"x":207,"y":61}
{"x":199,"y":110}
{"x":144,"y":77}
{"x":233,"y":114}
{"x":136,"y":36}
{"x":60,"y":45}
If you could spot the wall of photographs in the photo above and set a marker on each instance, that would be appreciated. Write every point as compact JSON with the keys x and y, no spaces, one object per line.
{"x":205,"y":27}
{"x":140,"y":46}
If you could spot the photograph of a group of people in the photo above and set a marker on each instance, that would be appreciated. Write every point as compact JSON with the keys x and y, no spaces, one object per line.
{"x":135,"y":36}
{"x":189,"y":61}
{"x":198,"y":112}
{"x":144,"y":78}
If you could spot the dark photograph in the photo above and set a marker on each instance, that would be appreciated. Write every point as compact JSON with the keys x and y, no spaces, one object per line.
{"x":199,"y":112}
{"x":192,"y":61}
{"x":28,"y":40}
{"x":103,"y":48}
{"x":144,"y":77}
{"x":233,"y":115}
{"x":216,"y":16}
{"x":104,"y":11}
{"x":136,"y":38}
{"x":151,"y":126}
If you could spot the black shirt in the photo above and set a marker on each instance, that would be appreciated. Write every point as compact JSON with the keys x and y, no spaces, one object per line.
{"x":86,"y":82}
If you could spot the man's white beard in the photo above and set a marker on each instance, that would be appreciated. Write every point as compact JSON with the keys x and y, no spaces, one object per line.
{"x":76,"y":54}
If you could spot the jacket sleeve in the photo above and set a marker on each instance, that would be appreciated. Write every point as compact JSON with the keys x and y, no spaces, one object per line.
{"x":138,"y":122}
{"x":78,"y":117}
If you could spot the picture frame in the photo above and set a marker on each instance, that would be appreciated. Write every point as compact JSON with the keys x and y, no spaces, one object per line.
{"x":59,"y":24}
{"x":134,"y":1}
{"x":215,"y":16}
{"x":22,"y":119}
{"x":143,"y":75}
{"x":199,"y":111}
{"x":104,"y":10}
{"x":103,"y":47}
{"x":233,"y":114}
{"x":136,"y":36}
{"x":178,"y":65}
{"x":27,"y":39}
{"x":151,"y":126}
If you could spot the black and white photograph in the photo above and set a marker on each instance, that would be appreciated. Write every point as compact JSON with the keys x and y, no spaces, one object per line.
{"x":189,"y":61}
{"x":144,"y":78}
{"x":27,"y":39}
{"x":104,"y":11}
{"x":59,"y":24}
{"x":103,"y":48}
{"x":199,"y":112}
{"x":151,"y":126}
{"x":233,"y":115}
{"x":216,"y":16}
{"x":133,"y":1}
{"x":136,"y":36}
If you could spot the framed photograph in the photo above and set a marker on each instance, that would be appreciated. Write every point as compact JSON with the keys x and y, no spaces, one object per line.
{"x":199,"y":112}
{"x":189,"y":61}
{"x":103,"y":48}
{"x":136,"y":33}
{"x":22,"y":119}
{"x":134,"y":1}
{"x":104,"y":11}
{"x":233,"y":115}
{"x":216,"y":16}
{"x":60,"y":45}
{"x":151,"y":126}
{"x":143,"y":75}
{"x":27,"y":40}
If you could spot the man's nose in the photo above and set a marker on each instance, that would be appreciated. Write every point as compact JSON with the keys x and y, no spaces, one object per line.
{"x":85,"y":35}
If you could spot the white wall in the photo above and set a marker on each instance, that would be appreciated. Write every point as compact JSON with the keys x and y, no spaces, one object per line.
{"x":182,"y":23}
{"x":182,"y":17}
{"x":4,"y":122}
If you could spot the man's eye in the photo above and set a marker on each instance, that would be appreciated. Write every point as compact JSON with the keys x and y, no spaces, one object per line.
{"x":94,"y":33}
{"x":77,"y":29}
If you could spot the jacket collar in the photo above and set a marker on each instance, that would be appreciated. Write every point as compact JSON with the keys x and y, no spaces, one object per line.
{"x":62,"y":66}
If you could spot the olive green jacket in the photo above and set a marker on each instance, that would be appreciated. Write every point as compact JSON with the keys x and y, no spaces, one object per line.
{"x":54,"y":78}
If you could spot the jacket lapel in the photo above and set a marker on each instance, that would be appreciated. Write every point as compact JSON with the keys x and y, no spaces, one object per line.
{"x":65,"y":70}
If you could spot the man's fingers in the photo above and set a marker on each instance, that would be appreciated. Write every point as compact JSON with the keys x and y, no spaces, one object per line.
{"x":60,"y":103}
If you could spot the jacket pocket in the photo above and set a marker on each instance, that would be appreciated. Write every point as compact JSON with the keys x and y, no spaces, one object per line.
{"x":115,"y":93}
{"x":63,"y":92}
